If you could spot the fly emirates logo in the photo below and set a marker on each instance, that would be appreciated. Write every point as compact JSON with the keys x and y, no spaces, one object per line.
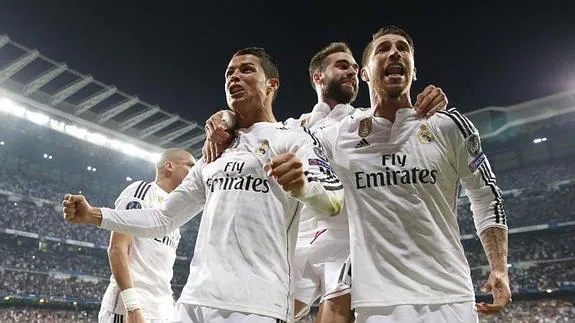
{"x":235,"y":180}
{"x":394,"y":172}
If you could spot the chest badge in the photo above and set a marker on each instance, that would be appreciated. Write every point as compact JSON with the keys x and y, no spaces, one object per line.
{"x":263,"y":148}
{"x":424,"y":135}
{"x":365,"y":127}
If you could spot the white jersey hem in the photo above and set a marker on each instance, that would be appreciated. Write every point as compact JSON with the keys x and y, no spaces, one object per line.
{"x":236,"y":308}
{"x":427,"y":301}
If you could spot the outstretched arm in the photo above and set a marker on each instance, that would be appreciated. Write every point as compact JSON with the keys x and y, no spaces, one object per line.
{"x":185,"y":202}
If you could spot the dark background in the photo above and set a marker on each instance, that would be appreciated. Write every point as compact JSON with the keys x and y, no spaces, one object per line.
{"x":174,"y":53}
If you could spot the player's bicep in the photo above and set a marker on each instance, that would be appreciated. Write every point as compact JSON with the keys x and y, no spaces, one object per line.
{"x":120,"y":242}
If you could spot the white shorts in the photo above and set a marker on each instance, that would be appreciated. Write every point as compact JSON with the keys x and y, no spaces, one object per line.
{"x":189,"y":313}
{"x":440,"y":313}
{"x":318,"y":261}
{"x":105,"y":316}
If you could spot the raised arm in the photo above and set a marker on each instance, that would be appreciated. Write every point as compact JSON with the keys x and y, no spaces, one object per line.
{"x":182,"y":204}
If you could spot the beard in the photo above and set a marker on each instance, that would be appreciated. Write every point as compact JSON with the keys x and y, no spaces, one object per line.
{"x":336,"y":91}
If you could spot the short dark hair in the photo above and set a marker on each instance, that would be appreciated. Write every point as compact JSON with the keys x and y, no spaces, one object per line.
{"x":318,"y":61}
{"x":385,"y":31}
{"x":267,"y":62}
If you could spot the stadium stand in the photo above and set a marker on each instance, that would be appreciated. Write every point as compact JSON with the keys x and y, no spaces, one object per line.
{"x":54,"y":272}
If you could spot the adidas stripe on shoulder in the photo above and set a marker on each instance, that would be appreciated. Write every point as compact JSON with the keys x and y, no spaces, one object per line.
{"x":142,"y":190}
{"x":464,"y":125}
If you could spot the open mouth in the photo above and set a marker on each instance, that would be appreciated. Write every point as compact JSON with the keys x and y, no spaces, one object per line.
{"x":394,"y":69}
{"x":236,"y":88}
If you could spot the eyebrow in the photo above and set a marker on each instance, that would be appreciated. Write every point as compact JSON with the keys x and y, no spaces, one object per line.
{"x":346,"y":61}
{"x":242,"y":64}
{"x":400,"y":41}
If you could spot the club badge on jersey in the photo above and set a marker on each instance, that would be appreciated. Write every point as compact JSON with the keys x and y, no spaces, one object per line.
{"x":365,"y":127}
{"x":263,"y":148}
{"x":424,"y":135}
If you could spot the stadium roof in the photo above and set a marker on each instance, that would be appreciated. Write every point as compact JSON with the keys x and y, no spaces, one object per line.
{"x":28,"y":77}
{"x":494,"y":121}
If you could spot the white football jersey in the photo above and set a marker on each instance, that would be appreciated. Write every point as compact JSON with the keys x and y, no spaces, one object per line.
{"x":243,"y":254}
{"x":320,"y":117}
{"x":151,"y":260}
{"x":401,"y":181}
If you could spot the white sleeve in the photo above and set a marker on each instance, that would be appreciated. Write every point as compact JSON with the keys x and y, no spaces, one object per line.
{"x":323,"y":192}
{"x":327,"y":138}
{"x":185,"y":202}
{"x":475,"y":173}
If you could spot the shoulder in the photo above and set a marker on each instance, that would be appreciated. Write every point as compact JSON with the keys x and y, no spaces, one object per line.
{"x":299,"y":122}
{"x":132,"y":197}
{"x":137,"y":189}
{"x":453,"y":123}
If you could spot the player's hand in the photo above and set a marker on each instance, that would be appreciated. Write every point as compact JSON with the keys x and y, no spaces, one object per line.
{"x":77,"y":210}
{"x":218,"y":138}
{"x":431,"y":100}
{"x":287,"y":170}
{"x":498,"y":285}
{"x":135,"y":316}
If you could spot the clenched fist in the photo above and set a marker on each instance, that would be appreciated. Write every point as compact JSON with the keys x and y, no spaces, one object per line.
{"x":287,"y":170}
{"x":218,"y":135}
{"x":77,"y":210}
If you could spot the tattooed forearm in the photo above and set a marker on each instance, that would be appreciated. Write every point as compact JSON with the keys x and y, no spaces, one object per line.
{"x":494,"y":242}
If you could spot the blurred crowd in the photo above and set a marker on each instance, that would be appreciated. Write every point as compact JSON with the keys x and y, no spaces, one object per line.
{"x":540,"y":260}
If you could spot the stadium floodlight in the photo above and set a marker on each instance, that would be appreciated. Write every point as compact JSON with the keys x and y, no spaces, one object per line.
{"x":539,"y":140}
{"x":12,"y":108}
{"x":129,"y":179}
{"x":1,"y":143}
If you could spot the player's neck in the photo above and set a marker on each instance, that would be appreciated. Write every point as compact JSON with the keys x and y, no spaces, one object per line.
{"x":329,"y":101}
{"x":386,"y":106}
{"x":246,"y":120}
{"x":165,"y":184}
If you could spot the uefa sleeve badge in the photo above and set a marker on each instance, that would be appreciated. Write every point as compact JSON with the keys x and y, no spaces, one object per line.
{"x":133,"y":205}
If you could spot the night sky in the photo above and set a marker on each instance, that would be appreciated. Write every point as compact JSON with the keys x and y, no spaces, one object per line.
{"x":174,"y":55}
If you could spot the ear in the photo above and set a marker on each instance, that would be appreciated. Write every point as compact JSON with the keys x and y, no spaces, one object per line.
{"x":364,"y":74}
{"x":273,"y":84}
{"x":168,"y":167}
{"x":317,"y":77}
{"x":414,"y":73}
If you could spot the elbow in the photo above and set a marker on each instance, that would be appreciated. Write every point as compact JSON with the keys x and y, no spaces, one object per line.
{"x":115,"y":252}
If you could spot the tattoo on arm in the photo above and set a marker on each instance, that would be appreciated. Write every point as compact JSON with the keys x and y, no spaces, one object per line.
{"x":494,"y":241}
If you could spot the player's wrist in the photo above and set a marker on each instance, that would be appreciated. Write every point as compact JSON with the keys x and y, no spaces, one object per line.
{"x":499,"y":269}
{"x":131,"y":299}
{"x":95,"y":216}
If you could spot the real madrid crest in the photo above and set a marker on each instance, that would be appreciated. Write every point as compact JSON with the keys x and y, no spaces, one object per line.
{"x":365,"y":127}
{"x":424,"y":135}
{"x":263,"y":148}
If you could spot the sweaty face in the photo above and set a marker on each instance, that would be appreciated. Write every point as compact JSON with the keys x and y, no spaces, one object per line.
{"x":245,"y":82}
{"x":391,"y":66}
{"x":340,"y":78}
